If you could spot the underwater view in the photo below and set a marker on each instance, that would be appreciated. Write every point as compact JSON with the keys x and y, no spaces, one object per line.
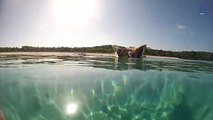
{"x":105,"y":88}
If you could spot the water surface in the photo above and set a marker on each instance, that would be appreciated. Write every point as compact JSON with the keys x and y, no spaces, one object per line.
{"x":105,"y":88}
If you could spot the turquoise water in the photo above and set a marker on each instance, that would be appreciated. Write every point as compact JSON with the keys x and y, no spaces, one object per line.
{"x":105,"y":88}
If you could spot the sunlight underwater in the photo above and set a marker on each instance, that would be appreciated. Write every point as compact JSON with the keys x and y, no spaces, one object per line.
{"x":87,"y":93}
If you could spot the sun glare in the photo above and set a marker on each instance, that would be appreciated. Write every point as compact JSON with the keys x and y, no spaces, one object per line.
{"x":71,"y":108}
{"x":74,"y":12}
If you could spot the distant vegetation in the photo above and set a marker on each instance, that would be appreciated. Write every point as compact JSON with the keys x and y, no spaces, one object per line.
{"x":195,"y":55}
{"x":96,"y":49}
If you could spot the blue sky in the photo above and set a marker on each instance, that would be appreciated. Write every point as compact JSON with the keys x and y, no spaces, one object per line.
{"x":161,"y":24}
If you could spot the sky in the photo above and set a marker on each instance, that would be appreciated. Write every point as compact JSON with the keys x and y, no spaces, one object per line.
{"x":161,"y":24}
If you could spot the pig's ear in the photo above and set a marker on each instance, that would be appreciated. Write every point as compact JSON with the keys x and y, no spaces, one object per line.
{"x":115,"y":47}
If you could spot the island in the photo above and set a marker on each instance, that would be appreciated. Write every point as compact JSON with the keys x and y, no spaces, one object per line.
{"x":192,"y":55}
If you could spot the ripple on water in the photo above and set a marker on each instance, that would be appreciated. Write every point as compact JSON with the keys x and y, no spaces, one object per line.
{"x":106,"y":88}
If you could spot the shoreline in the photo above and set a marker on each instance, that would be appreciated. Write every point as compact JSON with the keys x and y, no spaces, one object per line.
{"x":151,"y":56}
{"x":70,"y":54}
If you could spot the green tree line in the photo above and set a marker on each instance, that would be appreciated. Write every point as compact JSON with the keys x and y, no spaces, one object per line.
{"x":96,"y":49}
{"x":193,"y":55}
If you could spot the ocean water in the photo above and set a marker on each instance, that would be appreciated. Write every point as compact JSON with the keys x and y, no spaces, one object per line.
{"x":105,"y":88}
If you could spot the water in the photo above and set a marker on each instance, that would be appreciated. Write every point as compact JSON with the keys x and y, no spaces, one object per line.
{"x":105,"y":88}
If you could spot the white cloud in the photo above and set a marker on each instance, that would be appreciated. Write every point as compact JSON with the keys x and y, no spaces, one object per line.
{"x":181,"y":27}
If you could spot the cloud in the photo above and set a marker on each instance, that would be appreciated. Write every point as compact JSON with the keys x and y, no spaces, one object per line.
{"x":181,"y":27}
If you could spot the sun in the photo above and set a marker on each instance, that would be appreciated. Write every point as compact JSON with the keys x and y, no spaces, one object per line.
{"x":74,"y":12}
